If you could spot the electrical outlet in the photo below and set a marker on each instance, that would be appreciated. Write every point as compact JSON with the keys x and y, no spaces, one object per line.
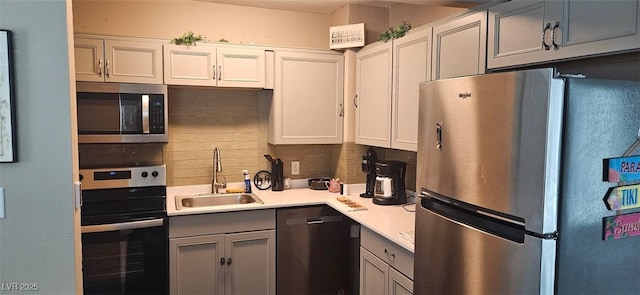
{"x":295,"y":167}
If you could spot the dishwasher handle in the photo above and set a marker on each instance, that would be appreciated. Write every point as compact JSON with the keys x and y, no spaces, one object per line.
{"x":315,"y":220}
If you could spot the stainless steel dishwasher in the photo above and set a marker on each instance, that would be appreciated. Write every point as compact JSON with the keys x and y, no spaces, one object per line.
{"x":317,"y":251}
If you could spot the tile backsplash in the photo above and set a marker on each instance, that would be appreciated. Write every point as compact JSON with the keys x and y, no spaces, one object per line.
{"x":201,"y":119}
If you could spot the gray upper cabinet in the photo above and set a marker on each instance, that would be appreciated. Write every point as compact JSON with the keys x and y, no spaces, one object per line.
{"x":373,"y":94}
{"x":387,"y":77}
{"x":459,"y":47}
{"x":307,"y":98}
{"x":103,"y":60}
{"x":210,"y":65}
{"x":528,"y":32}
{"x":411,"y":65}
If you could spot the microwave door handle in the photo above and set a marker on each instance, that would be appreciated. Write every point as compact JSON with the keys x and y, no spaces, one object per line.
{"x":145,"y":114}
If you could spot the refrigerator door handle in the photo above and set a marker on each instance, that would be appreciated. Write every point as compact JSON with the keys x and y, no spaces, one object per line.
{"x":438,"y":135}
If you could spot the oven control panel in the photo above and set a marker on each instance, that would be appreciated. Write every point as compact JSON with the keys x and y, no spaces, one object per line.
{"x":142,"y":176}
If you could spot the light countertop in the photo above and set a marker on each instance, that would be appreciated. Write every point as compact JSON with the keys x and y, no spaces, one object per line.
{"x":388,"y":221}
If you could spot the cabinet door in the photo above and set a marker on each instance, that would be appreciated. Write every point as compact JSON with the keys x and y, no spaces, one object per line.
{"x":374,"y":274}
{"x":528,"y":32}
{"x":592,"y":27}
{"x":307,"y":99}
{"x":411,"y":65}
{"x":241,"y":67}
{"x":459,"y":47}
{"x":517,"y":33}
{"x":89,"y":59}
{"x":190,"y":65}
{"x":399,"y":284}
{"x":133,"y":62}
{"x":195,"y":265}
{"x":251,"y":264}
{"x":373,"y":95}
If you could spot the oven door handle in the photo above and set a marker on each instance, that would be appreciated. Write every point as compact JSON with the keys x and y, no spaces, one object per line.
{"x":122,"y":226}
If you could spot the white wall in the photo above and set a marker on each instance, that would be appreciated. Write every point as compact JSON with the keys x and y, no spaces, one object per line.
{"x":169,"y":19}
{"x":418,"y":15}
{"x":37,"y":236}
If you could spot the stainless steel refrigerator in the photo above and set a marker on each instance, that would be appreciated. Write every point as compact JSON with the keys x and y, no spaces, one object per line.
{"x":510,"y":167}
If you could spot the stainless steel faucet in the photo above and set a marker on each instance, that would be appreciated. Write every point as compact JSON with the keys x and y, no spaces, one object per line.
{"x":217,"y":167}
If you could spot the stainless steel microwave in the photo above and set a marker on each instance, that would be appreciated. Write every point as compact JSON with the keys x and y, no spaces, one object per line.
{"x":121,"y":113}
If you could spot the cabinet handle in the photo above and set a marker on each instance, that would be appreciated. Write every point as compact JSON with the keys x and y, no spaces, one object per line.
{"x":100,"y":67}
{"x":389,"y":254}
{"x":219,"y":73}
{"x":222,"y":261}
{"x":341,"y":110}
{"x":214,"y":73}
{"x":355,"y":100}
{"x":106,"y":68}
{"x":553,"y":35}
{"x":228,"y":261}
{"x":544,"y":31}
{"x":438,"y":135}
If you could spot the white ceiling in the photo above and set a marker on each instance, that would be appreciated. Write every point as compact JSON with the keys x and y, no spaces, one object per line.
{"x":330,"y":6}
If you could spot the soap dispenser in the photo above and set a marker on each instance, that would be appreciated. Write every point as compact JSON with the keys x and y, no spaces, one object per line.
{"x":247,"y":181}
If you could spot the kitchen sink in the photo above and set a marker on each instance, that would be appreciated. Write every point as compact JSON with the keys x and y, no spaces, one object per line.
{"x":212,"y":200}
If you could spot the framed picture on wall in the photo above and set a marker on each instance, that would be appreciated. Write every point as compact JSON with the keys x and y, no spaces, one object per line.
{"x":7,"y":107}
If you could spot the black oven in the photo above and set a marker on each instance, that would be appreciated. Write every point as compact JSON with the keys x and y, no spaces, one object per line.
{"x":124,"y":230}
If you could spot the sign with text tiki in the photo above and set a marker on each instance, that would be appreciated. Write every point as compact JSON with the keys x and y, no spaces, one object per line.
{"x":621,"y":169}
{"x":623,"y":197}
{"x":621,"y":226}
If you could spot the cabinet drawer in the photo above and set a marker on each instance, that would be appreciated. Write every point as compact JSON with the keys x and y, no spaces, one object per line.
{"x":389,"y":252}
{"x":216,"y":223}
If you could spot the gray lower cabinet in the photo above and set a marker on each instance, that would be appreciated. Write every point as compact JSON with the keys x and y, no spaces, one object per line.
{"x":377,"y":277}
{"x":385,"y":268}
{"x":195,"y":265}
{"x":222,"y":253}
{"x":399,"y":284}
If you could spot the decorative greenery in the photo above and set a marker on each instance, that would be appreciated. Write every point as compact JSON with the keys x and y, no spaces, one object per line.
{"x":223,"y":40}
{"x":187,"y":39}
{"x":395,"y":33}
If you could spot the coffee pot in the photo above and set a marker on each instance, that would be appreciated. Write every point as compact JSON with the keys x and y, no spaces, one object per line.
{"x":390,"y":183}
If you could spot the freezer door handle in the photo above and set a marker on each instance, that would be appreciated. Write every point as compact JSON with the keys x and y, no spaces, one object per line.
{"x":474,"y":217}
{"x":491,"y":222}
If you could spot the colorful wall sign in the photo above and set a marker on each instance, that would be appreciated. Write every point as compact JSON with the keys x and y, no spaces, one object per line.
{"x":621,"y":169}
{"x":623,"y":197}
{"x":621,"y":226}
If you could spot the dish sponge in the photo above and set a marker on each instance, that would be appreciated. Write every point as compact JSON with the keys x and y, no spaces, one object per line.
{"x":235,"y":190}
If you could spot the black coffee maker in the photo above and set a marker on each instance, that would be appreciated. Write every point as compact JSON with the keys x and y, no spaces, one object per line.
{"x":390,"y":186}
{"x":369,"y":166}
